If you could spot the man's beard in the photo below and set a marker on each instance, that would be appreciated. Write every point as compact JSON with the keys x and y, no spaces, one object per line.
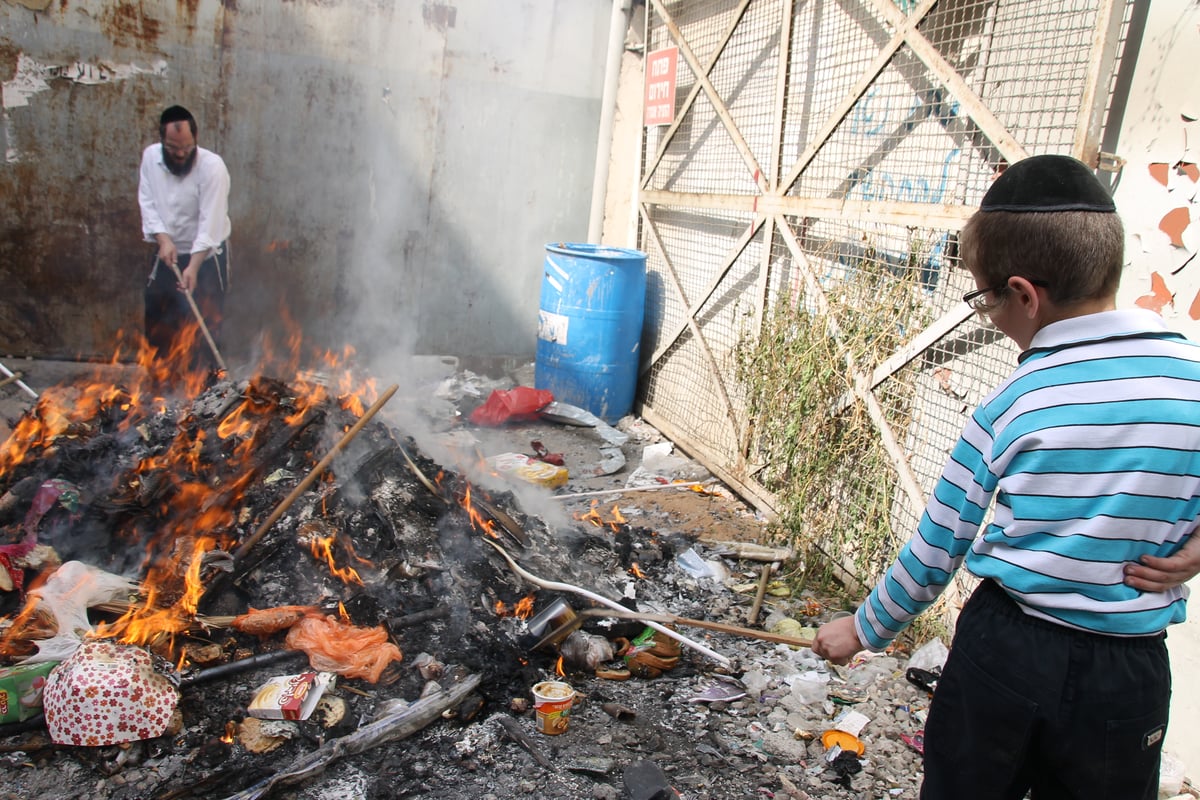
{"x":180,"y":168}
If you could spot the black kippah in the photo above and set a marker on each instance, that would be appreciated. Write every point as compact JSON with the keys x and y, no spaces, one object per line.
{"x":1048,"y":183}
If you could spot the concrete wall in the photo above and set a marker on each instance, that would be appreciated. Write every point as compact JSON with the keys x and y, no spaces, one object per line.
{"x":397,"y":167}
{"x":1157,"y":193}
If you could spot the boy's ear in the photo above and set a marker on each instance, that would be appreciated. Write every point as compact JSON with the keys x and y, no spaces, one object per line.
{"x":1026,"y":296}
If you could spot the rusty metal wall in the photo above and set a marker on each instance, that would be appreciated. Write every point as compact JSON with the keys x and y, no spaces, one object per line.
{"x":397,"y":168}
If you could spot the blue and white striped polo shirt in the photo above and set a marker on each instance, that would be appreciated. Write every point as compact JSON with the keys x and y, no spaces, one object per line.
{"x":1092,"y":451}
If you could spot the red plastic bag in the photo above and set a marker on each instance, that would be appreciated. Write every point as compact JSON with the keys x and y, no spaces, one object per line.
{"x":519,"y":403}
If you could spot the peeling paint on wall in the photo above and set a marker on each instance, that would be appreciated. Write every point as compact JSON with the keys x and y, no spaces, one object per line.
{"x":33,"y":5}
{"x":33,"y":77}
{"x":1158,"y":298}
{"x":1158,"y":192}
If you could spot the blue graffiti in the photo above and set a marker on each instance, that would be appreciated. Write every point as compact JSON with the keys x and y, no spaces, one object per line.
{"x":862,"y":118}
{"x":877,"y":184}
{"x":867,"y":119}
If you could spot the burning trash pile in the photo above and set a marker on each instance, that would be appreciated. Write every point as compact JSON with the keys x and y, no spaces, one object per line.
{"x":258,"y":584}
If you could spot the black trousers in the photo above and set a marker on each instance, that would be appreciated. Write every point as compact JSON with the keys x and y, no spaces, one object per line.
{"x":1027,"y":705}
{"x":171,"y":326}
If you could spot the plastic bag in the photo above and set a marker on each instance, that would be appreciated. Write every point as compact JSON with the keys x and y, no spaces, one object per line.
{"x":333,"y":646}
{"x":265,"y":621}
{"x":61,"y":604}
{"x":518,"y":403}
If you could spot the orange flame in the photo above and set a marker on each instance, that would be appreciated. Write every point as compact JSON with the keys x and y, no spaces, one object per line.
{"x":558,"y":668}
{"x":636,"y":571}
{"x":230,"y":732}
{"x":322,"y":550}
{"x":478,"y":521}
{"x":596,"y":518}
{"x":522,"y":609}
{"x":201,"y":479}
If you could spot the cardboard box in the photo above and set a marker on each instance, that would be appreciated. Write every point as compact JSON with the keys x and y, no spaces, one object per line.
{"x":21,"y":690}
{"x":289,"y":696}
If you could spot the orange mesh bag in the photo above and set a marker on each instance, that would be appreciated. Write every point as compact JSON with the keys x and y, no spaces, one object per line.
{"x":333,"y":646}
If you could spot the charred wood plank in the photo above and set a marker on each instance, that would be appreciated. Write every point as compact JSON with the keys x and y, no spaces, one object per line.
{"x":392,"y":727}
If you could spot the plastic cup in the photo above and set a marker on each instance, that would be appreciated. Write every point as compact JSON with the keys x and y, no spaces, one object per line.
{"x":552,"y":701}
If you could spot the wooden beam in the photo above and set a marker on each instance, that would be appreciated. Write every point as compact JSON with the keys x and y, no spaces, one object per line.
{"x":904,"y":473}
{"x":690,"y":322}
{"x":1094,"y":99}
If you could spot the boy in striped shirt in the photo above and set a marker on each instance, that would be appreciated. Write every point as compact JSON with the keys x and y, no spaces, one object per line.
{"x":1058,"y":680}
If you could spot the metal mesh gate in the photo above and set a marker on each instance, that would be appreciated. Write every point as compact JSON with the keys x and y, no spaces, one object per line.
{"x":799,"y":216}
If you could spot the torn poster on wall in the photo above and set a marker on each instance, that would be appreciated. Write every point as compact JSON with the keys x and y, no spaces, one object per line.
{"x":32,"y":76}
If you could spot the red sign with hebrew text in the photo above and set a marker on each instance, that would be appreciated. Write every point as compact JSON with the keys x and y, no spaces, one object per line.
{"x":659,"y":102}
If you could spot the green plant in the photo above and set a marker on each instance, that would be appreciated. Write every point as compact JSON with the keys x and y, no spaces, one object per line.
{"x":811,"y":433}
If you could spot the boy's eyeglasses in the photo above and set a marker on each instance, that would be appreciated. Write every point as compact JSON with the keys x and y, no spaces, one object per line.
{"x":978,"y":301}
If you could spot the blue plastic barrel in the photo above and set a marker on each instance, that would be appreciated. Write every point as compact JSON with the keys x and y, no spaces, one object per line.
{"x":590,"y":326}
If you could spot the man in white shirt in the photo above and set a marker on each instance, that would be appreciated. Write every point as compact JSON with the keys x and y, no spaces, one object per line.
{"x":183,"y":191}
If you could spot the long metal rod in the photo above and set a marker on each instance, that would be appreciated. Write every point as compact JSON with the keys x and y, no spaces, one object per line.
{"x":16,"y":378}
{"x":199,"y":319}
{"x":558,"y":586}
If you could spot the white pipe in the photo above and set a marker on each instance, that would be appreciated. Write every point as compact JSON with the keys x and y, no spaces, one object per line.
{"x":618,"y":25}
{"x":558,"y":586}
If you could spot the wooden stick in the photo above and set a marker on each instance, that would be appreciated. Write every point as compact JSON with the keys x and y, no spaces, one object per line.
{"x":302,"y":487}
{"x":752,"y":618}
{"x":16,"y":376}
{"x":199,"y":318}
{"x":419,"y":617}
{"x":748,"y":550}
{"x":513,"y":729}
{"x":753,"y":633}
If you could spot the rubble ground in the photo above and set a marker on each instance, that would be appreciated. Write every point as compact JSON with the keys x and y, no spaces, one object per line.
{"x":759,"y":726}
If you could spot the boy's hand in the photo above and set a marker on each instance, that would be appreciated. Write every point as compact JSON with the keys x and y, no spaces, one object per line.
{"x":838,"y":640}
{"x":1154,"y":574}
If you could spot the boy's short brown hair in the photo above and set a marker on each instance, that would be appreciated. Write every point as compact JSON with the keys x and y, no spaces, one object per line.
{"x":1079,"y":254}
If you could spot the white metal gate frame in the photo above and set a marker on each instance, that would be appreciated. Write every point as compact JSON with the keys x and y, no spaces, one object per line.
{"x":763,"y":214}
